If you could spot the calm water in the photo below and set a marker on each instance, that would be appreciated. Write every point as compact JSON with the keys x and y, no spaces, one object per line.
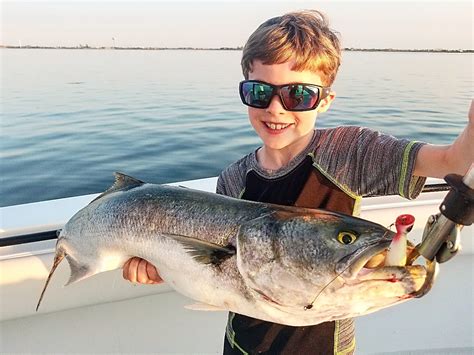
{"x":70,"y":118}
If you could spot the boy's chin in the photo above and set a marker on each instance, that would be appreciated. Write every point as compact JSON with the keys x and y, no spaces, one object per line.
{"x":281,"y":142}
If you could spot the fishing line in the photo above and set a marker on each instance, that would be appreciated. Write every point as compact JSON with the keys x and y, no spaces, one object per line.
{"x":309,"y":306}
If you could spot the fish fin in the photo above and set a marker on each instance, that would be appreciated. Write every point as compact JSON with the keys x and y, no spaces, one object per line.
{"x":78,"y":271}
{"x":122,"y":182}
{"x":58,"y":257}
{"x":202,"y":251}
{"x":203,"y":307}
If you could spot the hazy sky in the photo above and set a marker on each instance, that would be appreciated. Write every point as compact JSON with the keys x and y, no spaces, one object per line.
{"x":379,"y":24}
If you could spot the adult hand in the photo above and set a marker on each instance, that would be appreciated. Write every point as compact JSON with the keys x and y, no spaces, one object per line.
{"x":141,"y":271}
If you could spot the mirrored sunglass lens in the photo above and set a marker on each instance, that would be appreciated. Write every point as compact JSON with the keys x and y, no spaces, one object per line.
{"x":256,"y":94}
{"x":299,"y":97}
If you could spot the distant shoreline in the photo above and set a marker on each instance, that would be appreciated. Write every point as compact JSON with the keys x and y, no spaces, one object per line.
{"x":233,"y":49}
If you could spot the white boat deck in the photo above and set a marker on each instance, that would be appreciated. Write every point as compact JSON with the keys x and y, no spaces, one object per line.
{"x":106,"y":314}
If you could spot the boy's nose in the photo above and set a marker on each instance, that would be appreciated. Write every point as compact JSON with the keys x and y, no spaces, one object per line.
{"x":275,"y":107}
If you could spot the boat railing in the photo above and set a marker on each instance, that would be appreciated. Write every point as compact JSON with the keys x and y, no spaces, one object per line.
{"x":32,"y":228}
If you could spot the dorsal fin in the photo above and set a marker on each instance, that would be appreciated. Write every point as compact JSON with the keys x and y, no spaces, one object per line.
{"x":122,"y":182}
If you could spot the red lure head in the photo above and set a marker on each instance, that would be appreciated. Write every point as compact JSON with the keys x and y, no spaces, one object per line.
{"x":404,"y":223}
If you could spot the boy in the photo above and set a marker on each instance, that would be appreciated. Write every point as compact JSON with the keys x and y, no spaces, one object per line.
{"x":289,"y":64}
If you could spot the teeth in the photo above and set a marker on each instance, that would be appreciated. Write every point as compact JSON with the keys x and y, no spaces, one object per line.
{"x":277,"y":126}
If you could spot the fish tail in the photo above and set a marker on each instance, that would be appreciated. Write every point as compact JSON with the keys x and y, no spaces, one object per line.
{"x":58,"y":257}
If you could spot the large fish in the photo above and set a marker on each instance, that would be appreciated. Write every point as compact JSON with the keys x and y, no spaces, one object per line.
{"x":287,"y":265}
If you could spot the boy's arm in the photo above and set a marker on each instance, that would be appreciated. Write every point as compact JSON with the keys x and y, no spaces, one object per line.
{"x":440,"y":160}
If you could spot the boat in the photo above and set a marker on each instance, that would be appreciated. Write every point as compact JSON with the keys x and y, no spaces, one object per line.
{"x":105,"y":313}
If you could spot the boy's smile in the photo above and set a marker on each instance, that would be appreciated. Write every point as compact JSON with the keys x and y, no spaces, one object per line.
{"x":277,"y":128}
{"x":284,"y":133}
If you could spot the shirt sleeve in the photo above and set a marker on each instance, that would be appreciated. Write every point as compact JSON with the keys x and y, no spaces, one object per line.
{"x":231,"y":181}
{"x":220,"y":187}
{"x":370,"y":163}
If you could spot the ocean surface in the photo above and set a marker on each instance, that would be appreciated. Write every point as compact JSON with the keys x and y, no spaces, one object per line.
{"x":70,"y":118}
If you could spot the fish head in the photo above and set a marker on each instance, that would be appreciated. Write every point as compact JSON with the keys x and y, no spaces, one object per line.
{"x":316,"y":258}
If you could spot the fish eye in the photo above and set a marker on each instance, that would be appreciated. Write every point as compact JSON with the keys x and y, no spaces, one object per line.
{"x":346,"y":238}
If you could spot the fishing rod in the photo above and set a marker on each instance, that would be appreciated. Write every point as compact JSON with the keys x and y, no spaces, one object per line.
{"x":441,"y":236}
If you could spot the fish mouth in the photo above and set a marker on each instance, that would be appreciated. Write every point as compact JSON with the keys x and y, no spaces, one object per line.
{"x":351,"y":265}
{"x":368,"y":264}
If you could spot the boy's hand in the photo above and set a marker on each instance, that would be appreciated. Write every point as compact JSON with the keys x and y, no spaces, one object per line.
{"x":440,"y":160}
{"x":141,"y":271}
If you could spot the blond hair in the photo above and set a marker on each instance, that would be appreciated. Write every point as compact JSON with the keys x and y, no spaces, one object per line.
{"x":302,"y":36}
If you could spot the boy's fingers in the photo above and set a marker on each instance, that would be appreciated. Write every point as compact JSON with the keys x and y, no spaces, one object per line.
{"x":125,"y":269}
{"x":131,"y":272}
{"x":153,"y":274}
{"x":140,"y":271}
{"x":142,"y":276}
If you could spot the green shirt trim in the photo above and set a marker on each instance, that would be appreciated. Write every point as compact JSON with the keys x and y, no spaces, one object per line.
{"x":404,"y":169}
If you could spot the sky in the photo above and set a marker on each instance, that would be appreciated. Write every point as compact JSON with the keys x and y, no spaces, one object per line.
{"x":362,"y":24}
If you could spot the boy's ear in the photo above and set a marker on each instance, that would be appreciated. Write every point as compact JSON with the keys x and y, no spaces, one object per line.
{"x":326,"y":102}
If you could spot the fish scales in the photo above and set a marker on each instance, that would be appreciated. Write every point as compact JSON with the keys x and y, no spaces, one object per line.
{"x":287,"y":265}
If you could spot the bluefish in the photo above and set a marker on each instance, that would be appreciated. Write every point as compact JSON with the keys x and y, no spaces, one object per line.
{"x":288,"y":265}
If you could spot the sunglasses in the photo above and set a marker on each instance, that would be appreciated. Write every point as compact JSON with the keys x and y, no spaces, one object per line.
{"x":294,"y":97}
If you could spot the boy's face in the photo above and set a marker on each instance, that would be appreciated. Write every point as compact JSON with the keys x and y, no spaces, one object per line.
{"x":277,"y":127}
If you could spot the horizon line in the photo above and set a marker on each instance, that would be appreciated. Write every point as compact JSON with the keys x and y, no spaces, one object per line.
{"x":80,"y":46}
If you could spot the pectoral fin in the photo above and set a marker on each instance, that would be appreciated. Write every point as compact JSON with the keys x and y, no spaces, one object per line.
{"x":202,"y":251}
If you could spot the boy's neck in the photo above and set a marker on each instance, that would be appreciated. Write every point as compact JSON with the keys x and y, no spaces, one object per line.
{"x":275,"y":159}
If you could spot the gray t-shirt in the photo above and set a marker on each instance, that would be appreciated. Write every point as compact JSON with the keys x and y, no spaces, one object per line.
{"x":352,"y":162}
{"x":361,"y":161}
